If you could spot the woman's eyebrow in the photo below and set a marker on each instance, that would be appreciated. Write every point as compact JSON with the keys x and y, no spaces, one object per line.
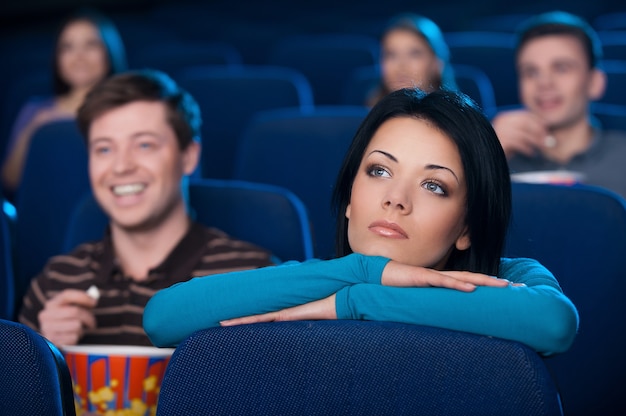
{"x":436,"y":167}
{"x":388,"y":155}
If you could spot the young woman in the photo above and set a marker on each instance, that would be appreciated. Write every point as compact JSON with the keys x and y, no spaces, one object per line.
{"x":413,"y":54}
{"x":88,"y":49}
{"x":423,"y":202}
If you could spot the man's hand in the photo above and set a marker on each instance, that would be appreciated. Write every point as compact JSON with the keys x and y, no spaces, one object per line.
{"x":521,"y":131}
{"x":65,"y":317}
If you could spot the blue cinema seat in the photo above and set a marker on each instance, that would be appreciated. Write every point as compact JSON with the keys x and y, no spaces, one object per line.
{"x":35,"y":378}
{"x":327,"y":60}
{"x":579,"y":233}
{"x":55,"y":177}
{"x":492,"y":52}
{"x":229,"y":97}
{"x":303,"y":152}
{"x":347,"y":367}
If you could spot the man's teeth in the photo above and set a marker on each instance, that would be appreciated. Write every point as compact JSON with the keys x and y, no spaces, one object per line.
{"x":129,"y":189}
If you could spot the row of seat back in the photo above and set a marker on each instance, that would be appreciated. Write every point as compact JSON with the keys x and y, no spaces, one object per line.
{"x":579,"y":233}
{"x":354,"y":368}
{"x":35,"y":377}
{"x":269,"y":216}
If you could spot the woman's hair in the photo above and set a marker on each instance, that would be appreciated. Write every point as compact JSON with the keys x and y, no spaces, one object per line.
{"x":111,"y":40}
{"x":488,"y":205}
{"x":183,"y":112}
{"x":428,"y":30}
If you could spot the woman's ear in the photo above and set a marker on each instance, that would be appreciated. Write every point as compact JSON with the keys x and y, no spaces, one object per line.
{"x":348,"y":211}
{"x":597,"y":86}
{"x":463,"y":241}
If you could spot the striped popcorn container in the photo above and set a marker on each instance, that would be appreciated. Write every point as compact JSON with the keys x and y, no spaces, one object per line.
{"x":116,"y":380}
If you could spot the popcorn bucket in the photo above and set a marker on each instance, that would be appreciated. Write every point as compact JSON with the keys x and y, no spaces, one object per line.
{"x":116,"y":380}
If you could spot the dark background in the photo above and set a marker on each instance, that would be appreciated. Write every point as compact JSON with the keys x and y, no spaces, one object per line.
{"x":253,"y":25}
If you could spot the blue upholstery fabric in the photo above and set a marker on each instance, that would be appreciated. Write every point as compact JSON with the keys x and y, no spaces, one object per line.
{"x":493,"y":53}
{"x":229,"y":97}
{"x":353,"y":368}
{"x":174,"y":56}
{"x":474,"y":82}
{"x":613,"y":43}
{"x":301,"y":151}
{"x":269,"y":216}
{"x":35,"y":378}
{"x":608,"y":116}
{"x":55,"y":177}
{"x":327,"y":60}
{"x":579,"y":233}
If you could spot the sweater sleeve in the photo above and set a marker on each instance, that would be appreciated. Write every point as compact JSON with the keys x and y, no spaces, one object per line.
{"x":538,"y":314}
{"x":174,"y":313}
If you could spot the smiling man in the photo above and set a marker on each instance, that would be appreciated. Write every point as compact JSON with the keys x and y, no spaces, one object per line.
{"x":142,"y":135}
{"x":558,"y":64}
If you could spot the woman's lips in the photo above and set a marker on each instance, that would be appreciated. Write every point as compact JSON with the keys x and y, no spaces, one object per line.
{"x":388,"y":229}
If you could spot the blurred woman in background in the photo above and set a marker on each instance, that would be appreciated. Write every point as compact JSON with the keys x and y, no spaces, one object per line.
{"x":413,"y":54}
{"x":88,"y":49}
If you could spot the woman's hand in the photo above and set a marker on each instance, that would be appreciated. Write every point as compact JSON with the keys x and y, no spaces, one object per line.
{"x":319,"y":309}
{"x":404,"y":275}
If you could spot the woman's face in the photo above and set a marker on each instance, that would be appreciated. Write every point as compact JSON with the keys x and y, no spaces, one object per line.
{"x":81,"y":55}
{"x":408,"y":199}
{"x":408,"y":61}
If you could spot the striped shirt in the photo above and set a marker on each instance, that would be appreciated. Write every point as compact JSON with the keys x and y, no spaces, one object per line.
{"x":119,"y":312}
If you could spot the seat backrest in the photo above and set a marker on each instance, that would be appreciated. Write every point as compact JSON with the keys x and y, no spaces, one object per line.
{"x":229,"y":97}
{"x":613,"y":43}
{"x":494,"y":54}
{"x":303,"y":152}
{"x":353,"y":368}
{"x":327,"y":60}
{"x":614,"y":20}
{"x":361,"y":83}
{"x":476,"y":84}
{"x":608,"y":116}
{"x":7,"y":285}
{"x":173,"y":56}
{"x":269,"y":216}
{"x":35,"y":378}
{"x":579,"y":234}
{"x":55,"y":177}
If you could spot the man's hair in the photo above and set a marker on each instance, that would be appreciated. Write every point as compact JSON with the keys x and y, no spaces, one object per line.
{"x":561,"y":23}
{"x":183,"y":112}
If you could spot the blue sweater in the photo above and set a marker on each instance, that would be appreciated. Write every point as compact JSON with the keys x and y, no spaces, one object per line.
{"x":538,"y":314}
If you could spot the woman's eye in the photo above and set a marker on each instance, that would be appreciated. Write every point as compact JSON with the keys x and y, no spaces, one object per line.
{"x":434,"y":188}
{"x":378,"y":171}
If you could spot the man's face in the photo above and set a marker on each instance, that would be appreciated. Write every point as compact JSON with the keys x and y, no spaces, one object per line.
{"x":555,"y":80}
{"x":136,"y":165}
